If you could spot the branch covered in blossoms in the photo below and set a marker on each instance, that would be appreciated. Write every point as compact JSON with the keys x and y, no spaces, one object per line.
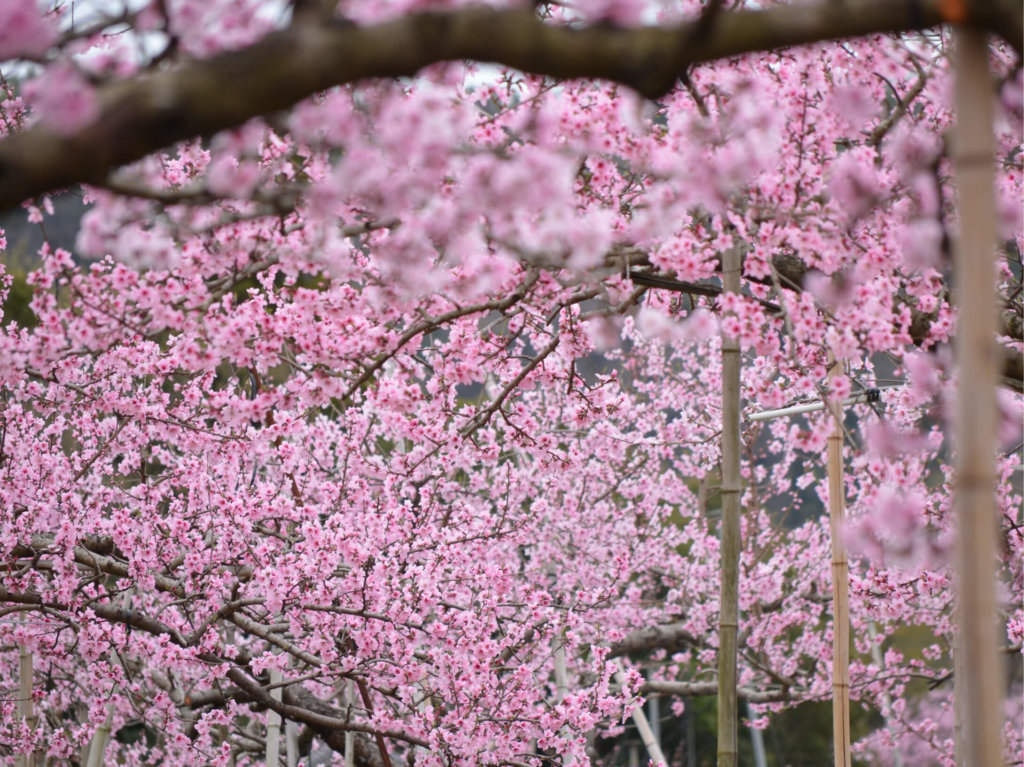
{"x":792,"y":274}
{"x":142,"y":114}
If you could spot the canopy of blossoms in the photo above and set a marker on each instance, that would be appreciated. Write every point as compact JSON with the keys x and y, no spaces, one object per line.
{"x":380,"y":392}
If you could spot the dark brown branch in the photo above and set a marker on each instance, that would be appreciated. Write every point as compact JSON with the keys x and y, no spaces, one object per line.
{"x":107,"y":612}
{"x":481,"y":418}
{"x":364,"y":693}
{"x":200,"y":97}
{"x":429,"y":324}
{"x":316,"y":720}
{"x":693,"y":288}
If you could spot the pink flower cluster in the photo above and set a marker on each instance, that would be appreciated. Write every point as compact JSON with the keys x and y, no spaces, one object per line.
{"x":376,"y":393}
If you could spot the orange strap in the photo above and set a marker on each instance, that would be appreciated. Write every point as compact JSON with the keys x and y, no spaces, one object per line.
{"x":954,"y":11}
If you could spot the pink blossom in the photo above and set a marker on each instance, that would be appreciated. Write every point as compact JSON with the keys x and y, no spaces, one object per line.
{"x":855,"y":104}
{"x":374,"y":397}
{"x":894,"y":533}
{"x":840,"y":387}
{"x":231,"y":178}
{"x":922,"y":244}
{"x":700,"y":325}
{"x":620,"y":12}
{"x":64,"y":101}
{"x":855,"y":185}
{"x":923,"y":374}
{"x":832,"y":291}
{"x":1011,"y":420}
{"x":656,"y":325}
{"x":603,"y":333}
{"x":886,"y":440}
{"x":23,"y":30}
{"x":914,"y":150}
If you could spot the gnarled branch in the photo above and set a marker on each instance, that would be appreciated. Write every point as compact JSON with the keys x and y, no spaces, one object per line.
{"x":143,"y":114}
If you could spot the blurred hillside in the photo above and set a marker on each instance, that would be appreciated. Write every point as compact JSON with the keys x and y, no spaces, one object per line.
{"x":24,"y":239}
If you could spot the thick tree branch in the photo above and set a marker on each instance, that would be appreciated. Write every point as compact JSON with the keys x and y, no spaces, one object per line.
{"x":364,"y":745}
{"x":316,"y":720}
{"x":297,"y":704}
{"x":672,"y":638}
{"x":704,"y":689}
{"x":199,"y":98}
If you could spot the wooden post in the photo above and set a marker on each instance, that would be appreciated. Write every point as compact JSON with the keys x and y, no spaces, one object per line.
{"x":274,"y":722}
{"x":561,"y":672}
{"x":24,"y":709}
{"x":728,"y":616}
{"x":291,"y":744}
{"x":978,"y":683}
{"x":840,"y":586}
{"x":350,"y":737}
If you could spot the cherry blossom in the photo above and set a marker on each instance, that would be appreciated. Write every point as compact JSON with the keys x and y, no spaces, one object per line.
{"x":408,"y":394}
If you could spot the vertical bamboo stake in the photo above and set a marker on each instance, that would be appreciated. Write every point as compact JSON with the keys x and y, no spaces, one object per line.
{"x":977,"y":681}
{"x":274,"y":722}
{"x":728,"y":616}
{"x":840,"y":586}
{"x":350,"y":737}
{"x":654,"y":717}
{"x":25,"y":713}
{"x":291,"y":744}
{"x":561,"y":673}
{"x":757,"y":743}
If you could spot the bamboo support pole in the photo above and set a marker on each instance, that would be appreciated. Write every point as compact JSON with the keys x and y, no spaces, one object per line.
{"x":561,"y":673}
{"x":350,"y":737}
{"x":840,"y":587}
{"x":977,"y":681}
{"x":654,"y":717}
{"x":728,"y":616}
{"x":757,"y":742}
{"x":291,"y":744}
{"x":24,"y":709}
{"x":274,"y":722}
